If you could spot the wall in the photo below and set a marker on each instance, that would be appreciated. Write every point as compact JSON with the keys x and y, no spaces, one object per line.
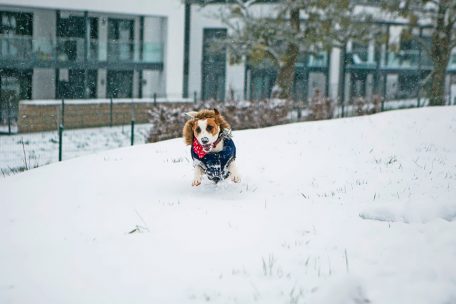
{"x":101,"y":83}
{"x":38,"y":117}
{"x":44,"y":31}
{"x":43,"y":83}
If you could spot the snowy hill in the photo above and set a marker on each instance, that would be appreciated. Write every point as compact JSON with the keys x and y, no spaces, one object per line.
{"x":359,"y":210}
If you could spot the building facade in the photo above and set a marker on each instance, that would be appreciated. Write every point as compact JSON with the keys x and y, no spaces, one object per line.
{"x":53,"y":49}
{"x":392,"y":70}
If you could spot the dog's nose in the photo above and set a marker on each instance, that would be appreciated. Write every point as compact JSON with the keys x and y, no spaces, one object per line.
{"x":204,"y":140}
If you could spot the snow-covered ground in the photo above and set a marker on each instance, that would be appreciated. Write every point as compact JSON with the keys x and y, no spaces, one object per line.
{"x":358,"y":210}
{"x":42,"y":148}
{"x":37,"y":149}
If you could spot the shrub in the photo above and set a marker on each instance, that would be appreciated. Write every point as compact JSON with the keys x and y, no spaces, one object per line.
{"x":168,"y":119}
{"x":321,"y":107}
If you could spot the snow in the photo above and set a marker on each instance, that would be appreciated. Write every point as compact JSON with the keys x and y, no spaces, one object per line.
{"x":357,"y":210}
{"x":42,"y":148}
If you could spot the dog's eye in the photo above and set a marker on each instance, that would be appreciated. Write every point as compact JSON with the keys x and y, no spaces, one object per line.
{"x":198,"y":129}
{"x":209,"y":128}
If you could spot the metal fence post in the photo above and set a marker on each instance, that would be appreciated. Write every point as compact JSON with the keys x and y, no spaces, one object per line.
{"x":343,"y":108}
{"x":62,"y":112}
{"x":194,"y":97}
{"x":60,"y":141}
{"x":110,"y":112}
{"x":132,"y":132}
{"x":155,"y":99}
{"x":8,"y":113}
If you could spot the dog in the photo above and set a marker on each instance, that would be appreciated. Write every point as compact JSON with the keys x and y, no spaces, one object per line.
{"x":212,"y":149}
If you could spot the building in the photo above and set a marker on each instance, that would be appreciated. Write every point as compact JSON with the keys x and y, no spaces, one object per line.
{"x":53,"y":49}
{"x":369,"y":69}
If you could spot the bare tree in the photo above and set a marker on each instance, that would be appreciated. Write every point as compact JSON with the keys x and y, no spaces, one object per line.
{"x":290,"y":28}
{"x":440,"y":17}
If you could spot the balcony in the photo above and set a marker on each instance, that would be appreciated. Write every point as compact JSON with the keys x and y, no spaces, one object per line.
{"x":319,"y":60}
{"x":407,"y":59}
{"x":452,"y":63}
{"x":401,"y":60}
{"x":15,"y":47}
{"x":360,"y":59}
{"x":26,"y":50}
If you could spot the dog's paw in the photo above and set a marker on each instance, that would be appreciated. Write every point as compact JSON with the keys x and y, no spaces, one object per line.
{"x":196,"y":182}
{"x":235,"y":178}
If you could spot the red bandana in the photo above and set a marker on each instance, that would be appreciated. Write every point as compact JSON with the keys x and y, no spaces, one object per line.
{"x":198,"y":148}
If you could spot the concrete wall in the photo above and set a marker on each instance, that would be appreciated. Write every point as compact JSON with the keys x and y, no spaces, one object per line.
{"x":153,"y":84}
{"x":44,"y":31}
{"x":101,"y":83}
{"x":43,"y":83}
{"x":102,"y":38}
{"x":44,"y":24}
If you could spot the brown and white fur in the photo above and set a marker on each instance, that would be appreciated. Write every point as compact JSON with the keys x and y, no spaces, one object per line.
{"x":206,"y":126}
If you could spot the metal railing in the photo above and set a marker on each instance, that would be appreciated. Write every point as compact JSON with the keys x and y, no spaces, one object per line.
{"x":72,"y":49}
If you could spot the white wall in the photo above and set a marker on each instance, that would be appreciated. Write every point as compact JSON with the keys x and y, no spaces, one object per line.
{"x":101,"y":83}
{"x":153,"y":84}
{"x":173,"y":10}
{"x":43,"y":81}
{"x":103,"y":38}
{"x":334,"y":70}
{"x":44,"y":30}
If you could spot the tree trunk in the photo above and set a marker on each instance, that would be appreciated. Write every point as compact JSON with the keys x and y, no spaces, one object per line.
{"x":285,"y":77}
{"x":440,"y":54}
{"x":437,"y":97}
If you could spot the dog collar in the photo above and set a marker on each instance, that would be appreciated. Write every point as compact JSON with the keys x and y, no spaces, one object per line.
{"x":201,"y":150}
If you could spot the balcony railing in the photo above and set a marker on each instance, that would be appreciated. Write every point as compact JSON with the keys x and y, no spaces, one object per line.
{"x":404,"y":59}
{"x":27,"y":48}
{"x":408,"y":59}
{"x":319,"y":60}
{"x":15,"y":47}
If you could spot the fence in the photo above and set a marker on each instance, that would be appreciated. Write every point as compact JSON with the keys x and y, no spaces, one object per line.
{"x":49,"y":131}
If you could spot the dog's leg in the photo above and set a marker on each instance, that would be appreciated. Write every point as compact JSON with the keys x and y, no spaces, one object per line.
{"x":198,"y":176}
{"x":234,"y":174}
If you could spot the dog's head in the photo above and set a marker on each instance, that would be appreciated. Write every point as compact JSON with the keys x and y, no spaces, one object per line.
{"x":205,"y":126}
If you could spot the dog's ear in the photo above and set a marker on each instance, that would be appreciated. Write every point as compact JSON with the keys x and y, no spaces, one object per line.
{"x":187,"y":132}
{"x":221,"y":120}
{"x":190,"y":114}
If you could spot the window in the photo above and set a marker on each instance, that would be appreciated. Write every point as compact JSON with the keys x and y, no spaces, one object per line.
{"x":120,"y":84}
{"x":120,"y":36}
{"x":16,"y":24}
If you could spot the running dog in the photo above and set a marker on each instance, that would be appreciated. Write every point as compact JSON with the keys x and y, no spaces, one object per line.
{"x":213,"y":151}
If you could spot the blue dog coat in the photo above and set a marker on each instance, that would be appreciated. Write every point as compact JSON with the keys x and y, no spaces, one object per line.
{"x":215,"y":164}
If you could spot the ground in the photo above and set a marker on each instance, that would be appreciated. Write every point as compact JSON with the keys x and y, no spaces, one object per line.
{"x":31,"y":150}
{"x":358,"y":210}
